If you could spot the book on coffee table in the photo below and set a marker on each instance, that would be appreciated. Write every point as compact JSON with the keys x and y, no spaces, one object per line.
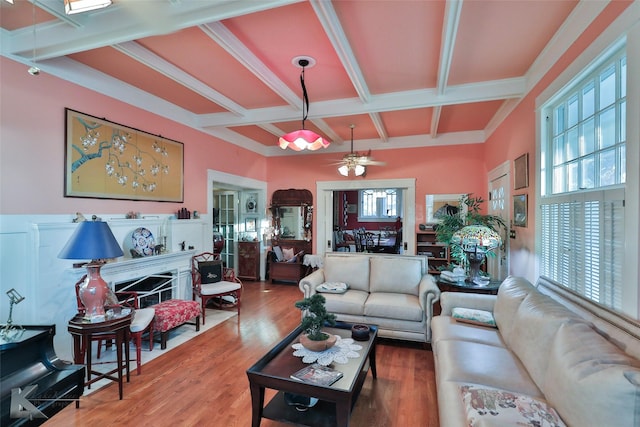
{"x":317,"y":374}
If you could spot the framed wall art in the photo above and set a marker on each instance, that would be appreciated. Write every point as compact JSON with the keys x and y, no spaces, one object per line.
{"x":521,"y":172}
{"x":520,"y":210}
{"x":250,"y":224}
{"x":111,"y":161}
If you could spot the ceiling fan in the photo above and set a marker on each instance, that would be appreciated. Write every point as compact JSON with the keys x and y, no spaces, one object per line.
{"x":355,"y":162}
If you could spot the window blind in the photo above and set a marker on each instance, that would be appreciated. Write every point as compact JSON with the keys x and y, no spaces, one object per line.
{"x":582,"y":243}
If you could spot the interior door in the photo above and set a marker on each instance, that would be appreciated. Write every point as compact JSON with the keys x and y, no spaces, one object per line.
{"x":498,"y":266}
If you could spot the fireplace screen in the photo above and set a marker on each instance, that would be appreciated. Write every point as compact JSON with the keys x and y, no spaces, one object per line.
{"x":151,"y":289}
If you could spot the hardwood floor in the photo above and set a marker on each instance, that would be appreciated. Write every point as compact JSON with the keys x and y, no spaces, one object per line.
{"x":204,"y":381}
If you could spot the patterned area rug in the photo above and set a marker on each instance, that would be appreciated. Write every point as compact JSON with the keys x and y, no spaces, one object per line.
{"x":178,"y":336}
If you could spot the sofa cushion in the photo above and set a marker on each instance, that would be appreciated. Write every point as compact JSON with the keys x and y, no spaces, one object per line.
{"x":351,"y":302}
{"x":332,"y":287}
{"x":534,"y":327}
{"x":394,"y":306}
{"x":511,"y":293}
{"x":590,"y":381}
{"x":446,"y":328}
{"x":472,"y":362}
{"x":486,"y":407}
{"x":473,"y":316}
{"x":352,"y":270}
{"x":395,"y":275}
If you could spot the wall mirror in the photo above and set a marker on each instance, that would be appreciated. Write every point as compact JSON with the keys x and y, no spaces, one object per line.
{"x":442,"y":204}
{"x":292,"y":214}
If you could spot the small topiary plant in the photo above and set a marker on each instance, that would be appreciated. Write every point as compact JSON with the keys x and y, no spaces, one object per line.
{"x":315,"y":317}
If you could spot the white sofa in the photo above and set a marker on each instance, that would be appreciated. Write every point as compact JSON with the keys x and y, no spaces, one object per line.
{"x":551,"y":349}
{"x":394,"y":292}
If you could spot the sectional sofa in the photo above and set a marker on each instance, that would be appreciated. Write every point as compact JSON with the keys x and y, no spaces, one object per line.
{"x":554,"y":359}
{"x":394,"y":292}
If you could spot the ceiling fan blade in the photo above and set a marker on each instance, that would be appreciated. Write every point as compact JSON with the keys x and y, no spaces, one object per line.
{"x":371,"y":162}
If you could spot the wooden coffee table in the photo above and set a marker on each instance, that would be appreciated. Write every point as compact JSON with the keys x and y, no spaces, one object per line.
{"x":335,"y":401}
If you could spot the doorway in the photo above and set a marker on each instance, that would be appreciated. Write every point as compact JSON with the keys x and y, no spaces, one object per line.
{"x":499,"y":204}
{"x":325,"y":192}
{"x":244,"y":200}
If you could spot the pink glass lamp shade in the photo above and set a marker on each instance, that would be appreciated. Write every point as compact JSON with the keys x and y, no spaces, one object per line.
{"x":476,"y":241}
{"x":302,"y":139}
{"x":92,"y":240}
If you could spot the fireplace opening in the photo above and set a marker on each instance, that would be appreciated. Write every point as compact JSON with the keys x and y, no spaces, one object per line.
{"x":151,"y":289}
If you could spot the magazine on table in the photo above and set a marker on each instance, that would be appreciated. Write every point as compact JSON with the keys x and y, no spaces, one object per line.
{"x":317,"y":374}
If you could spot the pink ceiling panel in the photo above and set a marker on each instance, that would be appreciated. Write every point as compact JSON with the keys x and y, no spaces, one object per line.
{"x":198,"y":55}
{"x":407,"y":122}
{"x":396,"y":44}
{"x":20,"y":14}
{"x":467,"y":117}
{"x":498,"y":40}
{"x":118,"y":65}
{"x":257,"y":134}
{"x":364,"y":127}
{"x":277,"y":36}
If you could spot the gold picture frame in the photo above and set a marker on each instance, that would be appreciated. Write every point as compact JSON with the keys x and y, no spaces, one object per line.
{"x":107,"y":160}
{"x":521,"y":172}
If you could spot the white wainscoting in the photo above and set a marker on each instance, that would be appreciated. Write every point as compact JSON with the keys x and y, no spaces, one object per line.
{"x":29,"y":248}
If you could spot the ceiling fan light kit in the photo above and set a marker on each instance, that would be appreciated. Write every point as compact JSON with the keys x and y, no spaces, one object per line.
{"x":303,"y":139}
{"x":356,"y":163}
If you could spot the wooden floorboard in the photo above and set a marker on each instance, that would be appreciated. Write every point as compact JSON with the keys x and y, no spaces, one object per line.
{"x":204,"y":381}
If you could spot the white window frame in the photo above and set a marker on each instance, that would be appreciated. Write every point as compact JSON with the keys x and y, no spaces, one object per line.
{"x":380,"y":217}
{"x":587,"y":63}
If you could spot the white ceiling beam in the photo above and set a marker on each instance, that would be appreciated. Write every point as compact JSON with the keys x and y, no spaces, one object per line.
{"x":333,"y":28}
{"x":476,"y":92}
{"x":219,"y":33}
{"x":153,"y":61}
{"x":452,"y":12}
{"x":126,"y":21}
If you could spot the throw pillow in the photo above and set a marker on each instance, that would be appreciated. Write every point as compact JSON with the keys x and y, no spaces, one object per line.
{"x":473,"y":316}
{"x":486,"y":407}
{"x":277,"y":250}
{"x":332,"y":287}
{"x":288,"y":253}
{"x":210,"y":271}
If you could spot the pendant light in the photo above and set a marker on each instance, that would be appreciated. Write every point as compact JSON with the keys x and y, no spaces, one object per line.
{"x":303,"y":139}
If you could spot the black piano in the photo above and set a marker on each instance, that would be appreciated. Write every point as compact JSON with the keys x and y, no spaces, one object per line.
{"x":28,"y":359}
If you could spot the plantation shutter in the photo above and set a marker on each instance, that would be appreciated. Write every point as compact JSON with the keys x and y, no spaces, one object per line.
{"x":582,"y":243}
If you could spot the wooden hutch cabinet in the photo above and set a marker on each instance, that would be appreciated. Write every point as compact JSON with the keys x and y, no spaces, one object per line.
{"x":249,"y":260}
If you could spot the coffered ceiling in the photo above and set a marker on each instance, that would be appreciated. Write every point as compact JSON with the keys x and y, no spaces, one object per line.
{"x":406,"y":73}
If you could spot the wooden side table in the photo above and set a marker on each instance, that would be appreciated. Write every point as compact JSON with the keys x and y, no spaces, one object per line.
{"x":446,"y":286}
{"x":491,"y":288}
{"x":82,"y":332}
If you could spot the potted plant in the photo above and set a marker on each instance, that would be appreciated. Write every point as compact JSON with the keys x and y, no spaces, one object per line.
{"x":315,"y":316}
{"x":468,"y":213}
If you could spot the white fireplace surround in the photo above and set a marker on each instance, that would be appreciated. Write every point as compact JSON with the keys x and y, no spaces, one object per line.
{"x":48,"y":283}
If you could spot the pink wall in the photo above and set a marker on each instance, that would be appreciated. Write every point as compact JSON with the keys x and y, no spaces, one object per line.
{"x":517,"y":135}
{"x":32,"y":147}
{"x":437,"y":170}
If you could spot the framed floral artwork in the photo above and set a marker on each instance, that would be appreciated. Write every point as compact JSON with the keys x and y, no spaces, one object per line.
{"x":107,"y":160}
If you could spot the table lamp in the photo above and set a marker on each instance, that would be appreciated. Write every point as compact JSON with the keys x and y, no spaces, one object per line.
{"x":476,"y":241}
{"x":92,"y":240}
